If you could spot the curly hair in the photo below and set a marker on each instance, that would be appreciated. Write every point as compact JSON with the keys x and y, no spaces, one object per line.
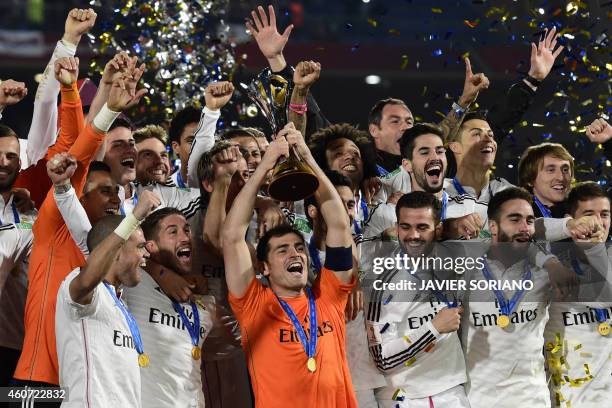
{"x":321,"y":139}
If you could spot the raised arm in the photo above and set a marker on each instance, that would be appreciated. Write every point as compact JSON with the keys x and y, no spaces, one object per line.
{"x":66,"y":70}
{"x":217,"y":95}
{"x":600,"y":131}
{"x":331,"y":206}
{"x":43,"y":129}
{"x":473,"y":84}
{"x":239,"y":268}
{"x":225,"y":164}
{"x":103,"y":256}
{"x":504,"y":115}
{"x":306,"y":73}
{"x":11,"y":92}
{"x":60,"y":168}
{"x":271,"y":44}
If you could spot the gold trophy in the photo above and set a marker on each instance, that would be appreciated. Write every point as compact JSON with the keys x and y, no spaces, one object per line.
{"x":292,"y":179}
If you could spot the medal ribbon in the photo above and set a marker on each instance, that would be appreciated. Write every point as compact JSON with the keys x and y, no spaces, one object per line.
{"x":506,"y":307}
{"x":600,"y":313}
{"x":193,"y":329}
{"x":543,"y":209}
{"x":128,"y":318}
{"x":310,"y":347}
{"x":16,"y":218}
{"x":444,"y":204}
{"x":381,"y":171}
{"x":179,"y":179}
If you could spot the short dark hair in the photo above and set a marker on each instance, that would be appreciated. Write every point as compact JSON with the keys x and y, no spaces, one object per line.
{"x":95,"y":167}
{"x":150,"y":225}
{"x":338,"y":180}
{"x":263,"y":246}
{"x":102,"y":229}
{"x":420,"y":199}
{"x":512,"y":193}
{"x":375,"y":115}
{"x":584,"y":191}
{"x":181,"y":119}
{"x":321,"y":139}
{"x":454,"y":134}
{"x":6,"y":131}
{"x":121,"y":121}
{"x":410,"y":135}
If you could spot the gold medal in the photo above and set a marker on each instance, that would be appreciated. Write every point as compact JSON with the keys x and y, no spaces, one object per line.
{"x":311,"y":364}
{"x":503,"y":321}
{"x":604,"y":328}
{"x":143,"y":360}
{"x":196,"y":353}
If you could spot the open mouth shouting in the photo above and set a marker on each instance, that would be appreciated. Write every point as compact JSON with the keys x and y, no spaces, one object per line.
{"x":296,"y":267}
{"x":434,"y":172}
{"x":129,"y":162}
{"x":488,"y":149}
{"x":184,"y":253}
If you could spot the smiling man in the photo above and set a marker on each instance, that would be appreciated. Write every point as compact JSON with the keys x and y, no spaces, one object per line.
{"x":173,"y":332}
{"x":272,"y":317}
{"x":474,"y":148}
{"x":153,"y":163}
{"x":546,"y":170}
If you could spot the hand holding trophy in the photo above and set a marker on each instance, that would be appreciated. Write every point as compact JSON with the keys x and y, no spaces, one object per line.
{"x":292,"y":179}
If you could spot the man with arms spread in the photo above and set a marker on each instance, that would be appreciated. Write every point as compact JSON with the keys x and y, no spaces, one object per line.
{"x":280,"y":320}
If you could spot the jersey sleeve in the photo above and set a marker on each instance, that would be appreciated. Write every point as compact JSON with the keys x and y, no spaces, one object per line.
{"x":43,"y":129}
{"x":75,"y":217}
{"x":204,"y":141}
{"x":381,"y":217}
{"x":76,"y":311}
{"x":247,"y":306}
{"x":187,"y":200}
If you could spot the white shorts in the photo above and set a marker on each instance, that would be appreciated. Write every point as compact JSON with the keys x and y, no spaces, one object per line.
{"x":451,"y":398}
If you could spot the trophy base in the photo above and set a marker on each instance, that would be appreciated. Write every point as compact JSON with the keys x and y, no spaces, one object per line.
{"x":293,"y":186}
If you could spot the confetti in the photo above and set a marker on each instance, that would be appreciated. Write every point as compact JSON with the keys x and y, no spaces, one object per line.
{"x":404,"y":62}
{"x":472,"y":24}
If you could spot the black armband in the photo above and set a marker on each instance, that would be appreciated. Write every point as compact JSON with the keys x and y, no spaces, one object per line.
{"x":339,"y":258}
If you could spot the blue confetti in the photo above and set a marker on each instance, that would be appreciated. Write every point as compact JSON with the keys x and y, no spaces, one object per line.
{"x":437,"y":53}
{"x":388,"y":299}
{"x":385,"y":327}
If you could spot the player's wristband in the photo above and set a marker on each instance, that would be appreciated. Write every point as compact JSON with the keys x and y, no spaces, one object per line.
{"x":458,"y":109}
{"x":127,"y":227}
{"x":105,"y":118}
{"x":62,"y":188}
{"x":300,"y":109}
{"x":534,"y":82}
{"x":339,"y":258}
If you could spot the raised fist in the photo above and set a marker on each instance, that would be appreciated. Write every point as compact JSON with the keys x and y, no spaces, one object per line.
{"x":78,"y":22}
{"x":61,"y":167}
{"x":218,"y":94}
{"x":306,"y":73}
{"x":148,"y":201}
{"x":12,"y":92}
{"x":599,"y":131}
{"x":67,"y":70}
